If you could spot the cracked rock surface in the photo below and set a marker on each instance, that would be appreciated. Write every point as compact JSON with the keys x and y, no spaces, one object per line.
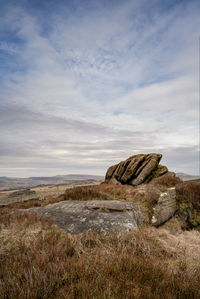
{"x":106,"y":216}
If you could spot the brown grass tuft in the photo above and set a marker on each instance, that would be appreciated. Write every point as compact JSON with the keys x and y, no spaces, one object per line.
{"x":166,"y":180}
{"x":189,"y":192}
{"x":80,"y":193}
{"x":11,"y":207}
{"x":38,"y":260}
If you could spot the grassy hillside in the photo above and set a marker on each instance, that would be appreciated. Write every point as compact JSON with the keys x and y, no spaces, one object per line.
{"x":39,"y":260}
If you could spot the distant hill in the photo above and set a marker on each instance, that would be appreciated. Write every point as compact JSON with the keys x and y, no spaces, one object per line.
{"x":18,"y":183}
{"x":187,"y":177}
{"x":183,"y":175}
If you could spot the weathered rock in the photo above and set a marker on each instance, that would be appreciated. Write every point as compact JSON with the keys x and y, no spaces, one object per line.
{"x":150,"y":165}
{"x":114,"y":181}
{"x":132,"y":167}
{"x":120,"y":169}
{"x":137,"y":169}
{"x":106,"y":216}
{"x":165,"y":208}
{"x":110,"y":171}
{"x":159,"y":171}
{"x":172,"y":173}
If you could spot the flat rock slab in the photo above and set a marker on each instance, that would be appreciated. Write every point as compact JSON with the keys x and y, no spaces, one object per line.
{"x":106,"y":216}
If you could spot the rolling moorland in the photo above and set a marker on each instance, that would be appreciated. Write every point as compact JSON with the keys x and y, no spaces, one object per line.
{"x":7,"y":183}
{"x":187,"y":177}
{"x":41,"y":260}
{"x":40,"y":188}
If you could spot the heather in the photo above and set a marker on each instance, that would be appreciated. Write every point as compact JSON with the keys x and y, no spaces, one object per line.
{"x":38,"y":260}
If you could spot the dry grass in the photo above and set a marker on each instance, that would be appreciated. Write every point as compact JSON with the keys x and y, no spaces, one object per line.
{"x":189,"y":193}
{"x":145,"y":195}
{"x":41,"y":192}
{"x":188,"y":200}
{"x":166,"y":181}
{"x":6,"y":209}
{"x":79,"y":193}
{"x":40,"y":261}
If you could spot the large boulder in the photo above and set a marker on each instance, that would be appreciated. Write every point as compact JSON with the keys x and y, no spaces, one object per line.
{"x":136,"y":170}
{"x":132,"y":208}
{"x":102,"y":216}
{"x":110,"y":171}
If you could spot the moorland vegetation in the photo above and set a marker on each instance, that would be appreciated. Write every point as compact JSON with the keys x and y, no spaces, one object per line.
{"x":39,"y":260}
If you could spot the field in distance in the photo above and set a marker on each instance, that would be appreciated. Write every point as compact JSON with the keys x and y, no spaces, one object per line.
{"x":187,"y":177}
{"x":7,"y":183}
{"x":19,"y":189}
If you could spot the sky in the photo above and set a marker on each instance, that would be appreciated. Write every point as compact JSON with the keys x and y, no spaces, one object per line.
{"x":86,"y":84}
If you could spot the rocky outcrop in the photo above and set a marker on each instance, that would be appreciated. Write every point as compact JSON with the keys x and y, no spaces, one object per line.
{"x":105,"y":216}
{"x":136,"y":170}
{"x":165,"y":207}
{"x":131,"y":208}
{"x":108,"y":216}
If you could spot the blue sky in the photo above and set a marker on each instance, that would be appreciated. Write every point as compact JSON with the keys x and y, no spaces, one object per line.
{"x":85,"y":84}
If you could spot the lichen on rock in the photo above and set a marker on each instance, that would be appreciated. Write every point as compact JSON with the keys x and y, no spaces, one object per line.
{"x":165,"y":207}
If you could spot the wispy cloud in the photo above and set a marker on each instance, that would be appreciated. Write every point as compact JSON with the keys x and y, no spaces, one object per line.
{"x":84,"y":85}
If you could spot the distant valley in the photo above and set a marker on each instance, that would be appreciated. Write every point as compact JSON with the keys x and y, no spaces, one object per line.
{"x":40,"y":188}
{"x":7,"y":183}
{"x":187,"y":177}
